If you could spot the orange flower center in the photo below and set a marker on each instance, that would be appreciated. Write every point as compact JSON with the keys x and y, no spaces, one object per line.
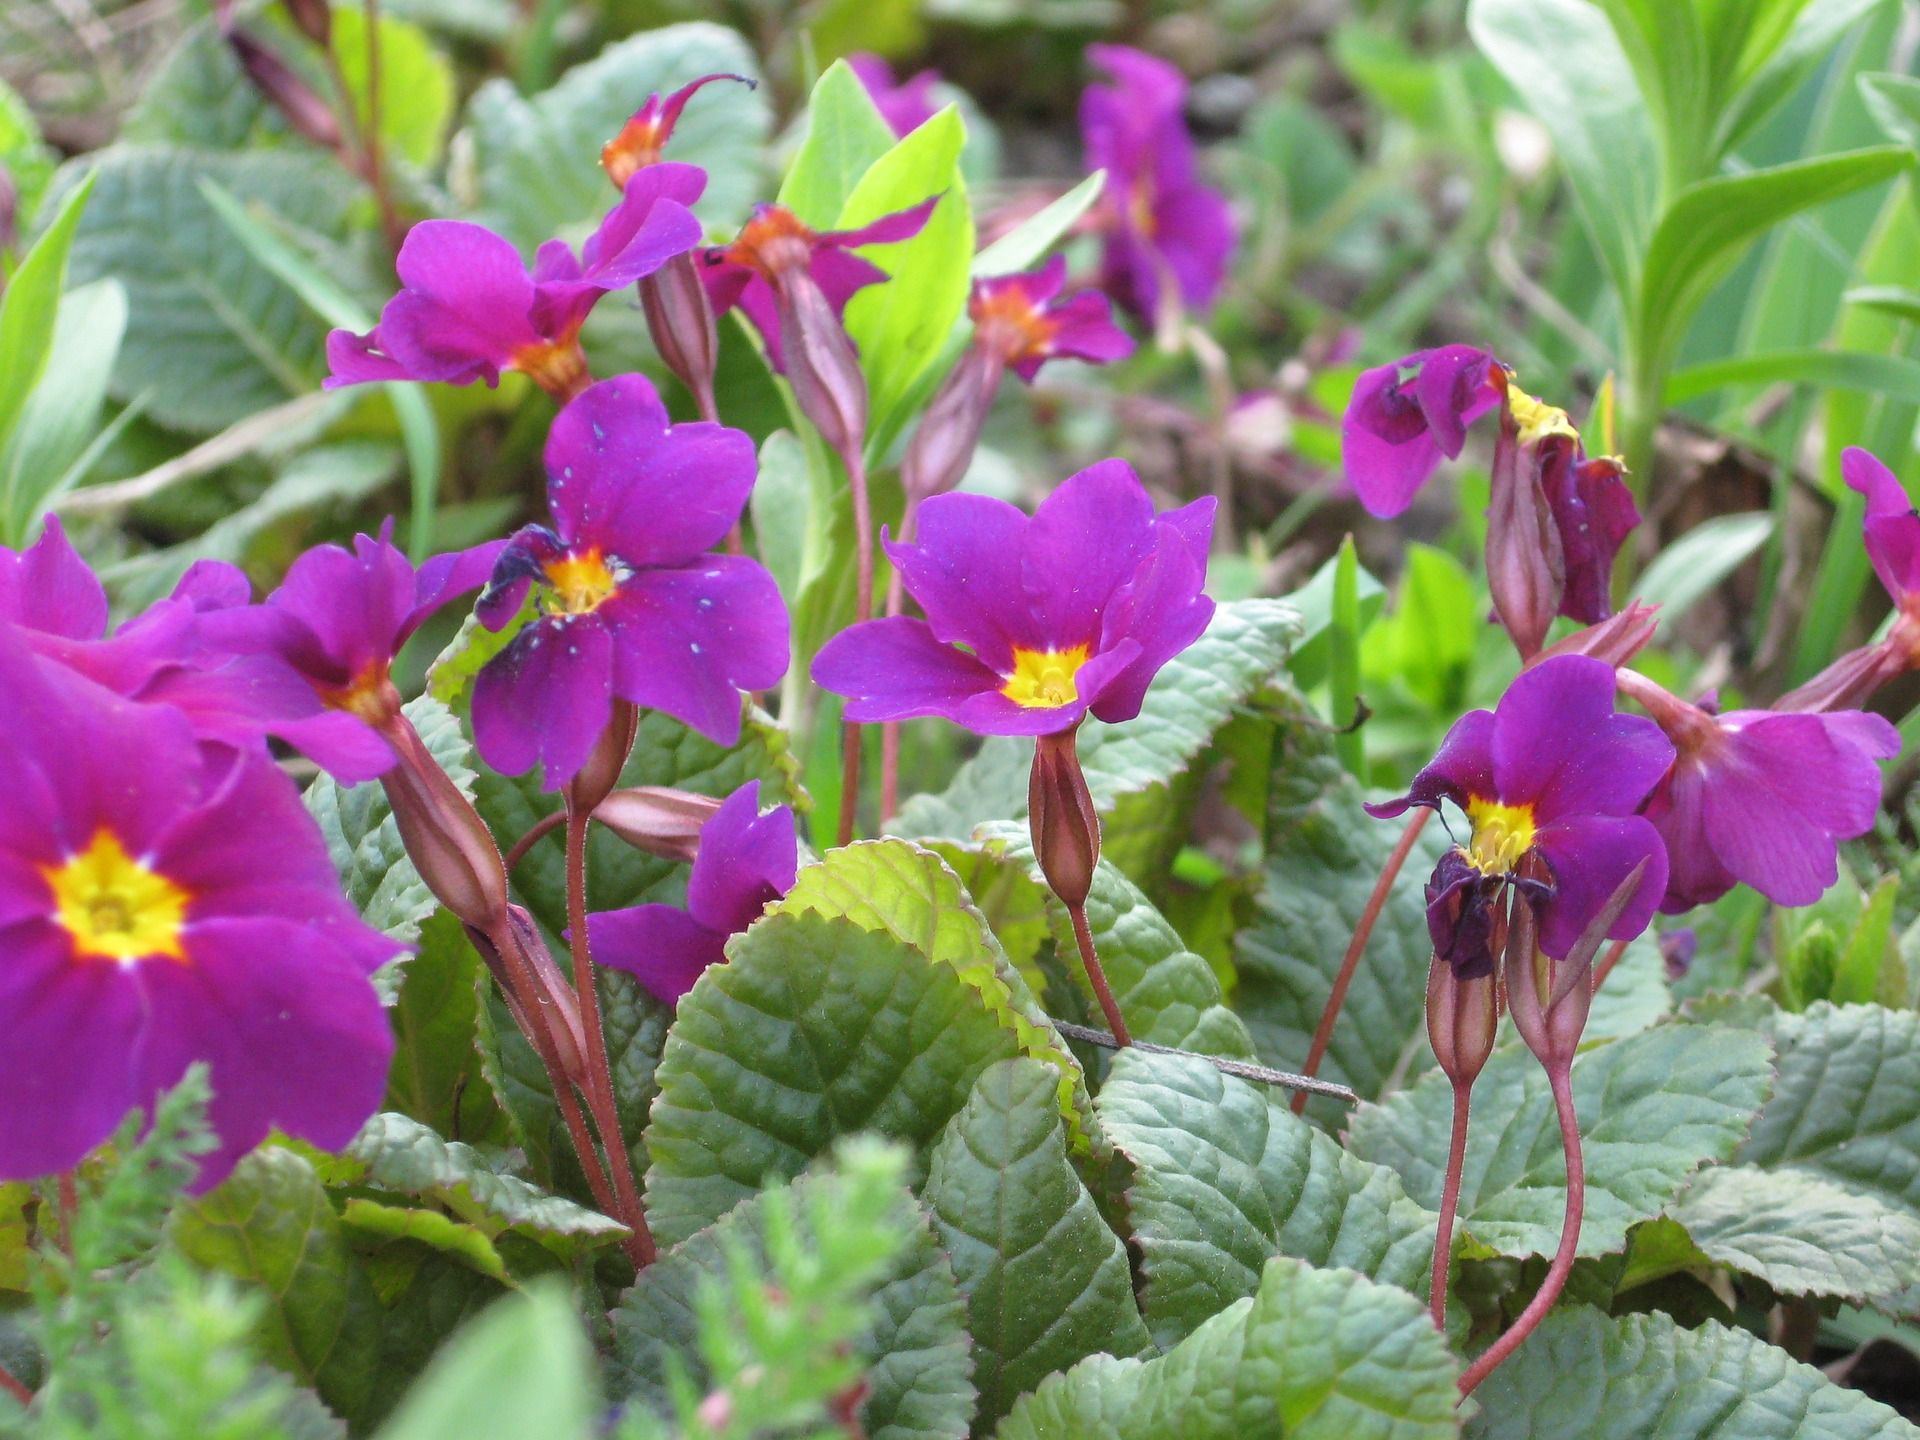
{"x":557,"y":366}
{"x":115,"y":907}
{"x":637,"y":146}
{"x":1011,"y":325}
{"x":773,"y":241}
{"x":581,"y":582}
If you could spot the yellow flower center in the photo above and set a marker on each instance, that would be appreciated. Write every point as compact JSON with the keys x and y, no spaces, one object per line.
{"x":1043,"y":679}
{"x":581,"y":582}
{"x":1536,"y":419}
{"x":1501,"y":835}
{"x":370,"y":695}
{"x":557,"y":366}
{"x":115,"y":907}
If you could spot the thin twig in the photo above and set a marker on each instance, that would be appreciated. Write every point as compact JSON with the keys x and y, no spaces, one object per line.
{"x":238,"y":440}
{"x":1243,"y":1069}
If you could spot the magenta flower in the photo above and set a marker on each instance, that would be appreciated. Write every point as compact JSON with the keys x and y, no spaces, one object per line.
{"x":1550,"y":781}
{"x":467,"y":309}
{"x":161,"y":905}
{"x":1169,"y":235}
{"x":745,"y":861}
{"x":905,"y":106}
{"x":1021,"y":320}
{"x":1592,"y":513}
{"x":633,"y":606}
{"x":1399,"y":425}
{"x":1071,"y":611}
{"x":776,"y":254}
{"x":642,"y":139}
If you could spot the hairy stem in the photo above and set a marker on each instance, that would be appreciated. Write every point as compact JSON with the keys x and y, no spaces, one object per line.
{"x":536,"y":832}
{"x":1356,"y":947}
{"x":1556,"y":1281}
{"x":1449,"y":1207}
{"x":1096,"y":976}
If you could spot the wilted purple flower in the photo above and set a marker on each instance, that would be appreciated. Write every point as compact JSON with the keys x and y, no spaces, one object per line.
{"x":745,"y":861}
{"x":468,"y":310}
{"x":1169,"y":236}
{"x":1761,"y":797}
{"x":1593,"y":513}
{"x":1073,"y":610}
{"x":905,"y":106}
{"x":1405,"y":416}
{"x":1549,"y":780}
{"x":160,"y":905}
{"x":634,"y":607}
{"x":642,"y":139}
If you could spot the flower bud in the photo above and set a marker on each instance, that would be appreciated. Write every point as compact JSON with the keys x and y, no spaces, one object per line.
{"x":312,"y":18}
{"x":1550,"y":999}
{"x":1615,"y":640}
{"x":517,"y":958}
{"x":1061,"y":817}
{"x":943,"y":444}
{"x":309,"y":115}
{"x":595,"y":780}
{"x":1525,"y":564}
{"x":680,"y":320}
{"x":822,"y":365}
{"x":444,"y":836}
{"x":1463,"y":1017}
{"x":1847,"y":683}
{"x":658,"y":820}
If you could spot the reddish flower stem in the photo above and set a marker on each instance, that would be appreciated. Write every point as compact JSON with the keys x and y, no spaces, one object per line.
{"x":69,"y":1193}
{"x":862,"y":610}
{"x":540,"y":828}
{"x":1096,"y":976}
{"x":1556,"y":1281}
{"x":1356,"y":947}
{"x":1608,"y":961}
{"x":890,"y":731}
{"x":14,"y":1388}
{"x":1449,"y":1207}
{"x":599,"y":1086}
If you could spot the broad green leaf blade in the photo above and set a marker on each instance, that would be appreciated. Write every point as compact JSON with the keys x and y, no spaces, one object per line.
{"x":1767,"y":76}
{"x":1642,"y":1377}
{"x":816,"y":1028}
{"x":416,"y":84}
{"x":1653,"y":1108}
{"x":1027,"y":244}
{"x":24,"y":153}
{"x":1046,"y":1282}
{"x":1894,"y":101}
{"x":436,"y":1076}
{"x":533,"y":167}
{"x":1314,"y":1355}
{"x":1894,"y":376}
{"x":48,"y":452}
{"x":522,"y":1369}
{"x":1225,"y":1176}
{"x":845,"y":136}
{"x":1691,"y":566}
{"x":916,"y":1348}
{"x":30,"y":305}
{"x":1801,"y":1234}
{"x":383,"y":1224}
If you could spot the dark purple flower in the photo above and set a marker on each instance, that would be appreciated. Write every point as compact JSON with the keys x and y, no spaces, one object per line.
{"x":642,"y":139}
{"x":633,"y":606}
{"x":745,"y":861}
{"x":1169,"y":236}
{"x":468,"y":310}
{"x":905,"y":106}
{"x":161,"y":904}
{"x":1593,"y":513}
{"x":1073,"y":610}
{"x":1021,"y":320}
{"x":1552,"y":778}
{"x":1405,"y":416}
{"x":776,"y":250}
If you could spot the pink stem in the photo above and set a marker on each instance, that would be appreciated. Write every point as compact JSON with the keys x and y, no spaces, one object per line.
{"x":1449,"y":1207}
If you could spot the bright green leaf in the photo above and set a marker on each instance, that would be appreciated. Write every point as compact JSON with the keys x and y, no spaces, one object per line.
{"x":1689,"y":567}
{"x":30,"y":307}
{"x":416,"y":83}
{"x":1027,"y":244}
{"x":845,"y":136}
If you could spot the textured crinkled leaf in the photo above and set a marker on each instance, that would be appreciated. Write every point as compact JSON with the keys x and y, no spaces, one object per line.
{"x":1801,"y":1234}
{"x":1047,"y":1283}
{"x":916,"y":1349}
{"x":1653,"y":1108}
{"x":816,"y":1028}
{"x":1324,"y":854}
{"x":1243,"y":650}
{"x":1636,"y":996}
{"x":1013,"y":902}
{"x":1642,"y":1377}
{"x":271,"y":1226}
{"x":212,"y":335}
{"x":1313,"y":1355}
{"x":468,"y":1244}
{"x":533,"y":158}
{"x":912,"y":894}
{"x":398,"y":1154}
{"x":1226,"y":1176}
{"x":435,"y":1076}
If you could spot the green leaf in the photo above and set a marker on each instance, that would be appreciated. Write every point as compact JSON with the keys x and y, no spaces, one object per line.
{"x":1891,"y":375}
{"x":212,"y":334}
{"x":1768,"y":75}
{"x":416,"y":84}
{"x":916,"y":1349}
{"x":1894,"y":102}
{"x":1642,"y":1377}
{"x":1027,"y":244}
{"x":1688,"y":568}
{"x":435,"y":1077}
{"x":533,"y":168}
{"x":1046,"y":1281}
{"x":1636,"y":997}
{"x":522,"y":1369}
{"x":845,"y":136}
{"x":1314,"y":1355}
{"x":30,"y":306}
{"x":816,"y":1028}
{"x":1427,"y":643}
{"x":1225,"y":1176}
{"x":1857,"y":979}
{"x":1312,"y":652}
{"x":468,"y":1244}
{"x":1801,"y":1234}
{"x":23,"y":152}
{"x":270,"y":1225}
{"x":1653,"y":1108}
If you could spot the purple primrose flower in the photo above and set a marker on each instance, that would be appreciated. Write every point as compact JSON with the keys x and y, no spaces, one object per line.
{"x":1169,"y":235}
{"x":1022,"y":320}
{"x":162,"y":904}
{"x":1550,"y":781}
{"x":905,"y":106}
{"x":1073,"y":610}
{"x":468,"y":310}
{"x":745,"y":861}
{"x":1398,"y":425}
{"x":633,"y":606}
{"x":644,"y":137}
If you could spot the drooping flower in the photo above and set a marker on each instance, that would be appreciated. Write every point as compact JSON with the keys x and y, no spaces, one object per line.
{"x":633,"y":607}
{"x":1405,"y":416}
{"x":467,"y":310}
{"x":744,"y":861}
{"x":1018,"y":324}
{"x":905,"y":105}
{"x":644,"y":137}
{"x":1169,"y":236}
{"x":1761,"y":797}
{"x":1072,"y":611}
{"x":1550,"y":781}
{"x":161,"y":904}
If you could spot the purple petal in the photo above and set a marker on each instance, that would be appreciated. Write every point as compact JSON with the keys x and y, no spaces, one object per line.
{"x":1085,"y":541}
{"x":1590,"y":857}
{"x":464,"y":311}
{"x":746,"y":860}
{"x":1194,"y":233}
{"x":840,"y":274}
{"x":213,"y":585}
{"x":1593,"y":511}
{"x":1396,"y":431}
{"x":651,"y":224}
{"x":1462,"y":769}
{"x":444,"y":578}
{"x":355,"y":359}
{"x":1695,"y":874}
{"x":896,"y":669}
{"x":991,"y":713}
{"x":964,"y":570}
{"x":522,"y":562}
{"x":662,"y":947}
{"x":1891,"y":528}
{"x":1461,"y":903}
{"x":888,"y":229}
{"x":250,"y":697}
{"x":1086,"y":332}
{"x":1559,"y":746}
{"x":48,"y":587}
{"x":1162,"y":609}
{"x":546,"y":698}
